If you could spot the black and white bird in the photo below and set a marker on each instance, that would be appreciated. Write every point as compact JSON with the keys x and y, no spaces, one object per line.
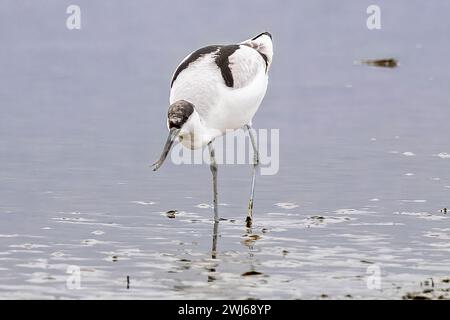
{"x":215,"y":89}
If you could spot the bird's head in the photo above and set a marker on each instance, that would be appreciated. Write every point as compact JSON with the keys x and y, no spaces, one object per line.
{"x":180,"y":119}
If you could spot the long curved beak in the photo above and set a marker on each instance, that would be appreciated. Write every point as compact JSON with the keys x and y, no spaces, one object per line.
{"x":170,"y":140}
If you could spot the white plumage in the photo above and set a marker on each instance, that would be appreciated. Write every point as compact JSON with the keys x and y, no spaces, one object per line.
{"x":221,"y":107}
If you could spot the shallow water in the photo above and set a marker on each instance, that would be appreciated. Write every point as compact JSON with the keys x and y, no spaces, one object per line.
{"x":364,"y":165}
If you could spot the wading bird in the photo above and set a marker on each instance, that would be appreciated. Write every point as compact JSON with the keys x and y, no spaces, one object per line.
{"x":215,"y":89}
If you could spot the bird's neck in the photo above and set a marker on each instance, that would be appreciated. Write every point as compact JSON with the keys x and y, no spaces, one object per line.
{"x":195,"y":134}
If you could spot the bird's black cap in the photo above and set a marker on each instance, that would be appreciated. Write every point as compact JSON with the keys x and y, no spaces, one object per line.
{"x":178,"y":113}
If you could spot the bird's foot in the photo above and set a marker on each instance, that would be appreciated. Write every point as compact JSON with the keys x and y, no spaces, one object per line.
{"x":249,"y":219}
{"x":156,"y":165}
{"x":255,"y":160}
{"x":248,"y":222}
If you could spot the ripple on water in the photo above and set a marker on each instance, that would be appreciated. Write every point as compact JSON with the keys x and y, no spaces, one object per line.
{"x":323,"y":221}
{"x":408,"y":154}
{"x":437,"y":233}
{"x":286,"y":205}
{"x":203,"y":206}
{"x":28,"y":246}
{"x":86,"y":221}
{"x":421,"y":215}
{"x":35,"y":264}
{"x":377,"y":224}
{"x":353,"y":212}
{"x":443,"y":155}
{"x":57,"y":254}
{"x":93,"y":242}
{"x":43,"y":277}
{"x":143,"y":203}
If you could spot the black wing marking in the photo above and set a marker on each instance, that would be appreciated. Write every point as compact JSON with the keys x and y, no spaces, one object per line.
{"x":193,"y":57}
{"x":222,"y":54}
{"x":223,"y":62}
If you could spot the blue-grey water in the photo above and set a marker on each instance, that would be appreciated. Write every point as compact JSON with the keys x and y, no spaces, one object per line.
{"x":364,"y":154}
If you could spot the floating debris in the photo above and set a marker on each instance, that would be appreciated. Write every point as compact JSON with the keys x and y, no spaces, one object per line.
{"x":384,"y":63}
{"x":185,"y":264}
{"x":431,"y":289}
{"x":428,"y":282}
{"x":444,"y":211}
{"x":416,"y":296}
{"x":366,"y":261}
{"x":251,"y":273}
{"x":171,"y":214}
{"x":91,"y":242}
{"x":322,"y":221}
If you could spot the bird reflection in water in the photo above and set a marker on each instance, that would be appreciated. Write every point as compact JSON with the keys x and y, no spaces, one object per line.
{"x":249,"y":241}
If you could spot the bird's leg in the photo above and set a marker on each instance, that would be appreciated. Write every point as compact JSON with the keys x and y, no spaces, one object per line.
{"x":213,"y":267}
{"x":213,"y":167}
{"x":214,"y":242}
{"x":255,"y":166}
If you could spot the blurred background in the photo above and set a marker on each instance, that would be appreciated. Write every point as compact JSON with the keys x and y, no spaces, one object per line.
{"x":364,"y":164}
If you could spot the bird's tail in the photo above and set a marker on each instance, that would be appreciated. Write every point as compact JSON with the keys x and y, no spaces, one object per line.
{"x":263,"y":44}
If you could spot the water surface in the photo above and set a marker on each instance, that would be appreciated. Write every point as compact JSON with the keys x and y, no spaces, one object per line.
{"x":364,"y":165}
